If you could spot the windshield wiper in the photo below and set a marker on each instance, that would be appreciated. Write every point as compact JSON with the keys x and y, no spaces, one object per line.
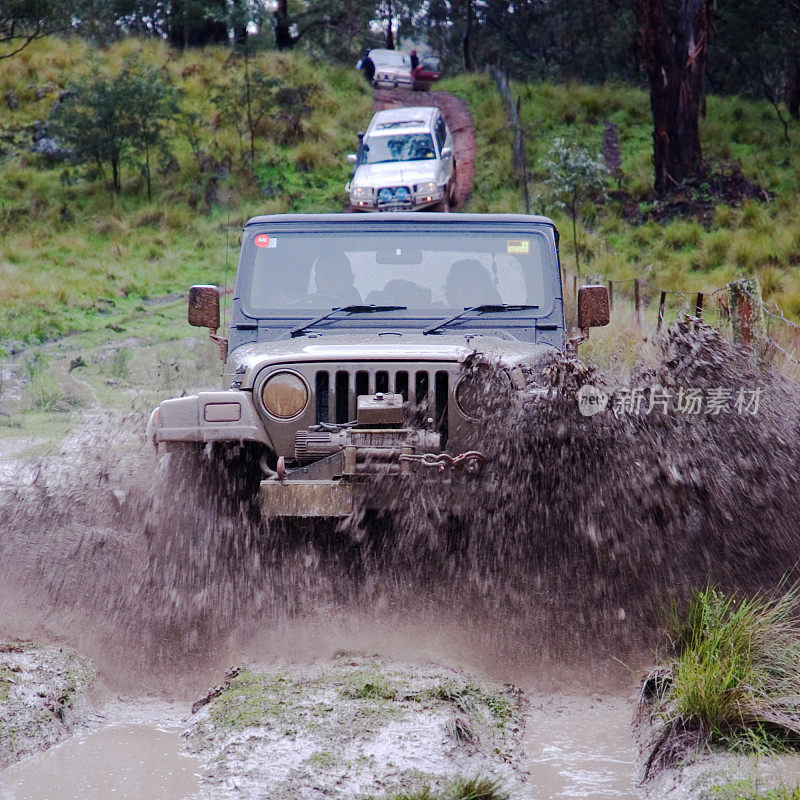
{"x":485,"y":309}
{"x":346,"y":310}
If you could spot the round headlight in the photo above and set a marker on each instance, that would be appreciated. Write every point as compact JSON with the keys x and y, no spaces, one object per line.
{"x":385,"y":195}
{"x":482,"y":389}
{"x":401,"y":194}
{"x":284,"y":394}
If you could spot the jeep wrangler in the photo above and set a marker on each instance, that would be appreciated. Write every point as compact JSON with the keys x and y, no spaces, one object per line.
{"x":363,"y":344}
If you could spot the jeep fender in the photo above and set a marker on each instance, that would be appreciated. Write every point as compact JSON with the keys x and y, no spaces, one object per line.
{"x":225,"y":416}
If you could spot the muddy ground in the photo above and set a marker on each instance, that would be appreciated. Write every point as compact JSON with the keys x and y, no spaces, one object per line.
{"x":44,"y":697}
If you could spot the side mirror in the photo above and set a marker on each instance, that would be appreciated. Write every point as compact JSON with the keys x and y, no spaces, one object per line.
{"x":447,"y":152}
{"x":204,"y":307}
{"x":593,"y":307}
{"x":352,"y":158}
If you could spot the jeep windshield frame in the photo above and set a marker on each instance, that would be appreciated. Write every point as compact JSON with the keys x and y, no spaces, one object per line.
{"x":504,"y":249}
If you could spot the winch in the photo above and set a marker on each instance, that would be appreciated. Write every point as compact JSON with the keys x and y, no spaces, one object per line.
{"x":378,"y":430}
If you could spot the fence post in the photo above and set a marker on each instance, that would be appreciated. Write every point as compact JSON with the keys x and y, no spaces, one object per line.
{"x":636,"y":302}
{"x":574,"y":286}
{"x":698,"y":306}
{"x":611,"y":295}
{"x":521,"y":160}
{"x":746,"y":310}
{"x":661,"y":310}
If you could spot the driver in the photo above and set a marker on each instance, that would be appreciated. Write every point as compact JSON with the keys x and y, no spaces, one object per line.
{"x":468,"y":284}
{"x":334,"y":281}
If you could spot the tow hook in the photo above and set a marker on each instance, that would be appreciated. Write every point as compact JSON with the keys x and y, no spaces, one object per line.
{"x":470,"y":462}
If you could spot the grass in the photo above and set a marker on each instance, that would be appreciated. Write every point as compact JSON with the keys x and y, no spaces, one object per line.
{"x":468,"y":698}
{"x":748,"y":789}
{"x":76,"y":258}
{"x":73,"y":256}
{"x":732,"y":677}
{"x":754,"y":239}
{"x":370,"y":686}
{"x":477,"y":788}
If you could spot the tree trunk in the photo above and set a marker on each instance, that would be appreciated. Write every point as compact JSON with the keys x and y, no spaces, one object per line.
{"x":389,"y":26}
{"x":283,"y":31}
{"x":793,"y":87}
{"x":674,"y":48}
{"x":466,"y":41}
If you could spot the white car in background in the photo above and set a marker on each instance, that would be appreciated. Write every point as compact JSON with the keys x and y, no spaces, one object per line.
{"x":405,"y":163}
{"x":392,"y":69}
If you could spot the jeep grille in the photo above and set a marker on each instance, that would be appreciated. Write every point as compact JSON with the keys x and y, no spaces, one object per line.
{"x":336,"y":391}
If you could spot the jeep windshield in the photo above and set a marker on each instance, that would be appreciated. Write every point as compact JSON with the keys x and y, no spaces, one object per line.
{"x":302,"y":274}
{"x":397,"y":147}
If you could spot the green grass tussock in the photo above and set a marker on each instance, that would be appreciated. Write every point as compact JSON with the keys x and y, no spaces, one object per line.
{"x":732,"y":677}
{"x":477,"y":788}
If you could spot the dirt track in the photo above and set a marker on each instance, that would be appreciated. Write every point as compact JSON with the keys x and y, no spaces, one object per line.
{"x":458,"y":119}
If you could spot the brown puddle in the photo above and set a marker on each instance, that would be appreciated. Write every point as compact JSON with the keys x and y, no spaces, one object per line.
{"x":580,"y":747}
{"x":137,"y":761}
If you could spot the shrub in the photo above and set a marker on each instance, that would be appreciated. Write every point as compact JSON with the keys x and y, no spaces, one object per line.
{"x":731,"y":677}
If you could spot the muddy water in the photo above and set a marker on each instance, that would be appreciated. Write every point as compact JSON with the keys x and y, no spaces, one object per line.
{"x":135,"y":760}
{"x":580,"y":747}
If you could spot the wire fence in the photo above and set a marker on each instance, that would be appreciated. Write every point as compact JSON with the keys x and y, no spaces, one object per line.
{"x":737,"y":309}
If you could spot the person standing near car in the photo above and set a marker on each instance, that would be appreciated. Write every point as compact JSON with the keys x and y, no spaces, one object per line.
{"x":414,"y":60}
{"x":367,"y":67}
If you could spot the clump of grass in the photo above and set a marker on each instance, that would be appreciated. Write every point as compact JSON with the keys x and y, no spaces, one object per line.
{"x":43,"y":391}
{"x":467,"y":697}
{"x":119,"y":367}
{"x":373,"y":687}
{"x":477,"y":788}
{"x":732,"y":677}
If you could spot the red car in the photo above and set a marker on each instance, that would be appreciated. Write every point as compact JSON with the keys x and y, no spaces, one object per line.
{"x":428,"y":71}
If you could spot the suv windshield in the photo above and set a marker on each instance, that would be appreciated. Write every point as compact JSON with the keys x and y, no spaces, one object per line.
{"x":433,"y":274}
{"x":403,"y":147}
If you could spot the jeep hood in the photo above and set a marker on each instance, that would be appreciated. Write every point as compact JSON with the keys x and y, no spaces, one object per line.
{"x":394,"y":172}
{"x":340,"y":349}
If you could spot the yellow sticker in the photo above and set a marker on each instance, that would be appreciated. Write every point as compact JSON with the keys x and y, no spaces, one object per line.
{"x":518,"y":247}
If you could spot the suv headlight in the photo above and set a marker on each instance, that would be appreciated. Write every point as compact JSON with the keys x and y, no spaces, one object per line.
{"x":426,"y":188}
{"x":362,"y":192}
{"x":482,"y":389}
{"x":284,"y":394}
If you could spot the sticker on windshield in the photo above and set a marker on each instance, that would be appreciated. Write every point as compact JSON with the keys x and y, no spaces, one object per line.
{"x":518,"y":247}
{"x":263,"y":240}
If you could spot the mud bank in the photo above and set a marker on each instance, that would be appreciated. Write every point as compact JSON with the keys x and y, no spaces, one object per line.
{"x":355,"y":726}
{"x":714,"y":775}
{"x":43,"y":697}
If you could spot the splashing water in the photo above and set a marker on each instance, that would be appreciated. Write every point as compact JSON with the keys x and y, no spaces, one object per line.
{"x":578,"y":535}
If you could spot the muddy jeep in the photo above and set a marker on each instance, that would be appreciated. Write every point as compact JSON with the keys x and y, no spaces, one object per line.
{"x":362,"y":345}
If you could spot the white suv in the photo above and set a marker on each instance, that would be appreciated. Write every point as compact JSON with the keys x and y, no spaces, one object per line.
{"x":405,"y":162}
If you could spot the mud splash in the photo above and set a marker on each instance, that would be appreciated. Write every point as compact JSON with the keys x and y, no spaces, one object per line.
{"x":581,"y":534}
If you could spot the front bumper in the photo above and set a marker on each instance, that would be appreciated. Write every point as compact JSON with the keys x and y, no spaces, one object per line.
{"x":337,"y":485}
{"x":419,"y":202}
{"x":392,"y":83}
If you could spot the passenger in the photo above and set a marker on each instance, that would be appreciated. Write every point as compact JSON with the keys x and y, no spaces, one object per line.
{"x":334,"y":281}
{"x":468,"y":284}
{"x":367,"y":67}
{"x":401,"y":292}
